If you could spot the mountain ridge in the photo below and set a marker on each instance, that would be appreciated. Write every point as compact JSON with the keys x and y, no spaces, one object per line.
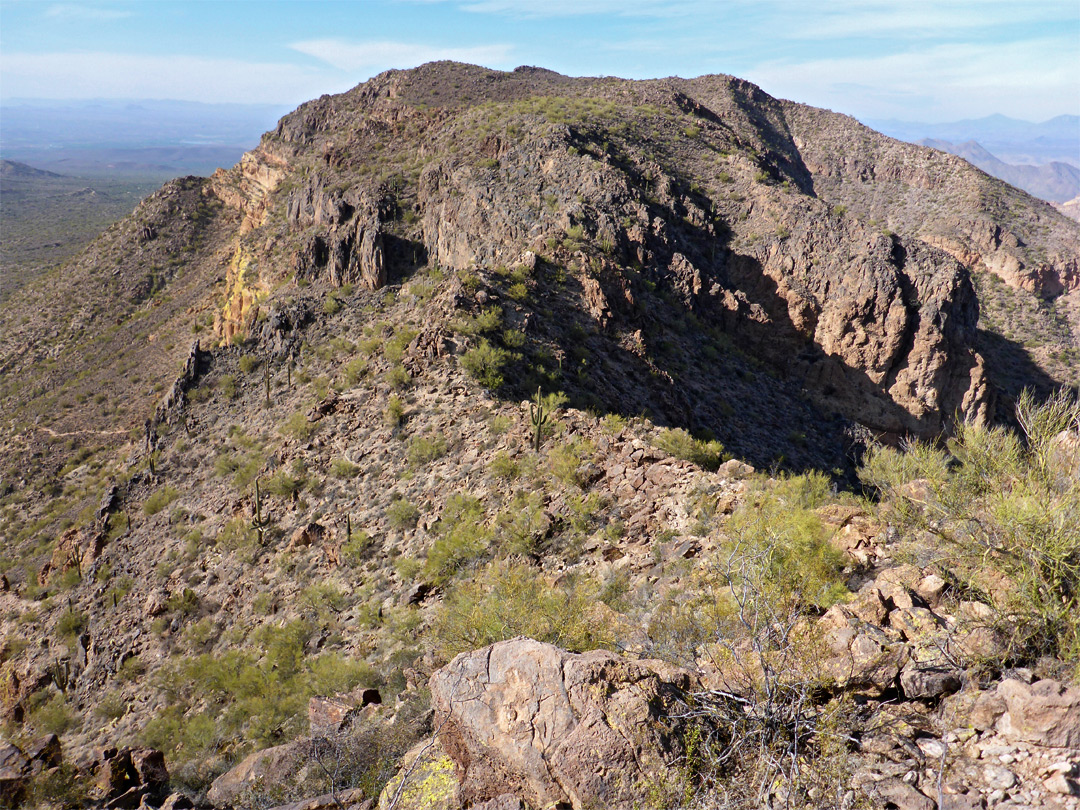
{"x":459,"y":336}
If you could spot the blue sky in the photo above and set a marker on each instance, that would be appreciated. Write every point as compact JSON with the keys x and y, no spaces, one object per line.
{"x":928,"y":60}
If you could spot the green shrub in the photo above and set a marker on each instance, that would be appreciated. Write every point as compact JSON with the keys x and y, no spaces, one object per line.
{"x":185,"y":602}
{"x":567,"y":459}
{"x":247,"y":697}
{"x":424,"y":449}
{"x":343,"y":468}
{"x":401,"y":514}
{"x":502,"y":466}
{"x":395,"y":411}
{"x":248,"y":363}
{"x":227,"y":387}
{"x":462,"y":539}
{"x":53,"y":716}
{"x":71,"y":623}
{"x":356,"y":547}
{"x":321,"y":599}
{"x":237,"y":534}
{"x":485,"y":363}
{"x":394,"y":349}
{"x":507,"y":599}
{"x":159,"y":500}
{"x":298,"y":427}
{"x":1004,"y":511}
{"x":408,"y":568}
{"x":778,"y":527}
{"x":489,"y":320}
{"x":111,"y":707}
{"x":226,"y":464}
{"x":522,"y":524}
{"x":708,"y":454}
{"x":285,"y":484}
{"x":613,"y":423}
{"x":397,"y":377}
{"x":132,"y":669}
{"x":64,"y":786}
{"x":355,"y":370}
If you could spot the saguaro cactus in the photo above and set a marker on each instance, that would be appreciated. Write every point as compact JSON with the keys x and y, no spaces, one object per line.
{"x":259,"y":523}
{"x":538,"y":419}
{"x":266,"y":378}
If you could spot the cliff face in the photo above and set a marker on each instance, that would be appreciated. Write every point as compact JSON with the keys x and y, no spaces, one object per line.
{"x":707,"y":189}
{"x":941,"y":199}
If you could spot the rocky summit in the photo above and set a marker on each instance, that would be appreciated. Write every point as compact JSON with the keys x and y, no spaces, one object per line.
{"x":510,"y":440}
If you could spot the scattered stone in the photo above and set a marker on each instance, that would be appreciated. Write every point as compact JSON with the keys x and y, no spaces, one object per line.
{"x":342,"y":800}
{"x":1062,"y":784}
{"x":961,"y":801}
{"x":932,"y":748}
{"x":328,"y":716}
{"x":998,"y":778}
{"x":930,"y":588}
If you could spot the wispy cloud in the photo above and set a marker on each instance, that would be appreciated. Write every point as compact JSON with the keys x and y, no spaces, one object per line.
{"x":173,"y":76}
{"x":945,"y":19}
{"x":942,"y":82}
{"x":365,"y":57}
{"x":71,"y":11}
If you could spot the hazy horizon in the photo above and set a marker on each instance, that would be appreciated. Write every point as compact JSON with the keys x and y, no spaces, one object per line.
{"x":872,"y":59}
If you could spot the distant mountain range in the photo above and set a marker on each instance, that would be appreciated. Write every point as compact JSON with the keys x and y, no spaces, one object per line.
{"x":128,"y":138}
{"x":1008,"y":139}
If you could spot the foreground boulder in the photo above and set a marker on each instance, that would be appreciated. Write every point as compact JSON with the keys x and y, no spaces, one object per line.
{"x":528,"y":720}
{"x":269,"y":766}
{"x":1044,"y":713}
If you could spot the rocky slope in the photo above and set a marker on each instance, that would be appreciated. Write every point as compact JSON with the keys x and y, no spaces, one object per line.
{"x":339,"y":488}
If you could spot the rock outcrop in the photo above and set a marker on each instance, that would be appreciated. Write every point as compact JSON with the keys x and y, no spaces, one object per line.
{"x":553,"y":728}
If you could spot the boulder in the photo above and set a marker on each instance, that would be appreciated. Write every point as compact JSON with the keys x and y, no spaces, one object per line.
{"x":861,"y":656}
{"x":13,"y":775}
{"x":425,"y":781}
{"x":115,"y":774}
{"x":149,"y":764}
{"x":45,"y":752}
{"x":328,"y":716}
{"x":1045,"y":713}
{"x":268,"y":766}
{"x":928,"y":682}
{"x":735,"y":469}
{"x":900,"y":795}
{"x":553,"y":728}
{"x":307,"y":535}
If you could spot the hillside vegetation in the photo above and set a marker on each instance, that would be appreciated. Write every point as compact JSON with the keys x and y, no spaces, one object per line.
{"x":716,"y":385}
